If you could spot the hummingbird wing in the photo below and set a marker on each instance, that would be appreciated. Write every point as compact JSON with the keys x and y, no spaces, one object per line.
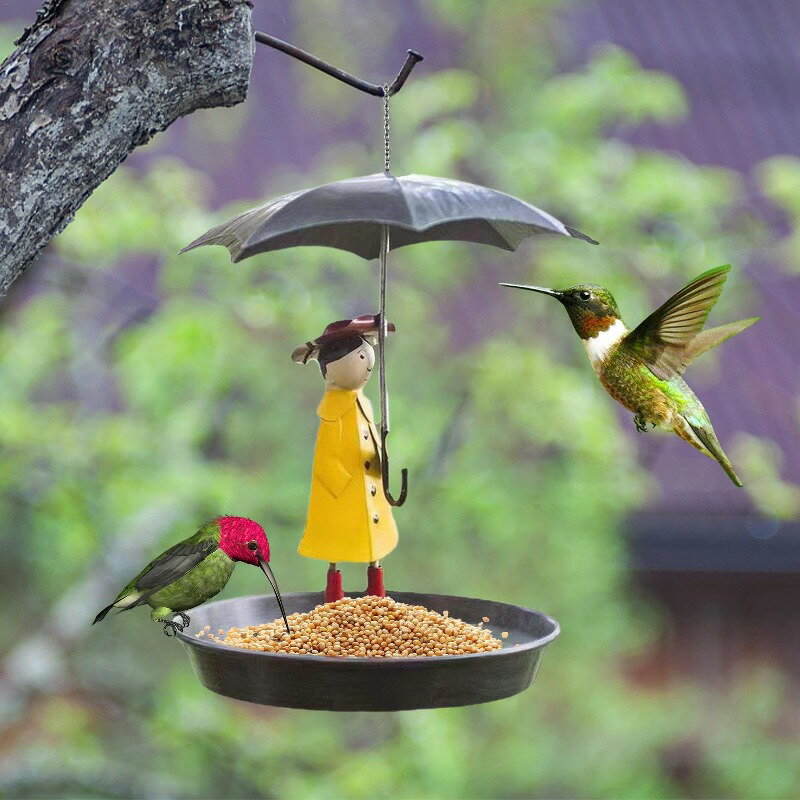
{"x":173,"y":564}
{"x":166,"y":568}
{"x":707,"y":339}
{"x":665,"y":339}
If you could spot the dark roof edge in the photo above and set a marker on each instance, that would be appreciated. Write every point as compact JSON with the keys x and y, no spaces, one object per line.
{"x":713,"y":543}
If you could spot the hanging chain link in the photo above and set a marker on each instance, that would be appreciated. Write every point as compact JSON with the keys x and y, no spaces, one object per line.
{"x":387,"y":150}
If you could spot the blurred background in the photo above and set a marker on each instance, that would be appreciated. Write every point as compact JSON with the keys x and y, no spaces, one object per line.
{"x":142,"y":393}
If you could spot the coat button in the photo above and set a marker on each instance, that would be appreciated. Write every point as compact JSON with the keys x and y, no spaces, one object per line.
{"x":373,"y":490}
{"x":375,"y":518}
{"x":366,"y":465}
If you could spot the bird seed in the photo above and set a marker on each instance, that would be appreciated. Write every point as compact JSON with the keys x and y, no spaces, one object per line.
{"x":365,"y":627}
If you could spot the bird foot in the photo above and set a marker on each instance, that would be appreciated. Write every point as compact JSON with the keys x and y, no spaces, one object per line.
{"x":640,"y":422}
{"x":173,"y":628}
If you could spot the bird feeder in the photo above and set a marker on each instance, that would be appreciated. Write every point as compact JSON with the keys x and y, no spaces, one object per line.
{"x":370,"y":216}
{"x":368,"y":684}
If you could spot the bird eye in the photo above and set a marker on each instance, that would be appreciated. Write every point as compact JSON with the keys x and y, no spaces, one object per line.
{"x":584,"y":295}
{"x":252,"y":546}
{"x":362,"y":356}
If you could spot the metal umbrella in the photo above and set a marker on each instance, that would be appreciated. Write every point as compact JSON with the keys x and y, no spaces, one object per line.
{"x":373,"y":214}
{"x":352,"y":215}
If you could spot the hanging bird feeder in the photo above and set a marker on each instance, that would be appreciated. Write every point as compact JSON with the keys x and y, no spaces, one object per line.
{"x":368,"y":684}
{"x":370,"y":216}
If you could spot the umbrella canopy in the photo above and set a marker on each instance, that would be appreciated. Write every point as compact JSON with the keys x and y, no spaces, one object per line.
{"x":351,"y":214}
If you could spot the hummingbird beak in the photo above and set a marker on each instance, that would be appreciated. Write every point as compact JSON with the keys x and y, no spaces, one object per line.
{"x":271,"y":578}
{"x":540,"y":289}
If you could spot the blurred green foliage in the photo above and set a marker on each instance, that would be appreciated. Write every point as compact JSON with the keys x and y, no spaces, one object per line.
{"x":130,"y":414}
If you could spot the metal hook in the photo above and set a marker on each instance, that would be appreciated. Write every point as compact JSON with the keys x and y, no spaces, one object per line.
{"x":385,"y":476}
{"x":396,"y":85}
{"x":384,"y":253}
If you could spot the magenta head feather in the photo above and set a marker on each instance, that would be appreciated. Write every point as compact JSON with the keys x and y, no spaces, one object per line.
{"x":243,"y":539}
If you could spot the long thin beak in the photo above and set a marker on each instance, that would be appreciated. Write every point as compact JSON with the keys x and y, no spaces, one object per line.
{"x":271,"y":578}
{"x":540,"y":289}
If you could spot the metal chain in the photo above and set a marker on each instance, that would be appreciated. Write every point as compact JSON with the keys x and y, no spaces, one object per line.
{"x":387,"y":152}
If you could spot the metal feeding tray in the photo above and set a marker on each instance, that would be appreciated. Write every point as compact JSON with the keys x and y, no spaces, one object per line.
{"x":369,"y":684}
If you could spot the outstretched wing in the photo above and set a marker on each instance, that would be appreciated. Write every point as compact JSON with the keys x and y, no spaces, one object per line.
{"x":172,"y":564}
{"x":664,"y":339}
{"x":711,"y":337}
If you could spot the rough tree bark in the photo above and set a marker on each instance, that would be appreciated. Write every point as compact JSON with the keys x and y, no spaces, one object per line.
{"x":91,"y":81}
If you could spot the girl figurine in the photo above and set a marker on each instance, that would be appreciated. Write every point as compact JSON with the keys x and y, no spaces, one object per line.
{"x":349,"y":519}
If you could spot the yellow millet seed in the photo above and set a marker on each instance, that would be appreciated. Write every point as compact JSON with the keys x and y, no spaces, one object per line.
{"x":374,"y":627}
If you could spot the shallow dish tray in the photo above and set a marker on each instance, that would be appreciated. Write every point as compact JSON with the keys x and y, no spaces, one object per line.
{"x":368,"y":684}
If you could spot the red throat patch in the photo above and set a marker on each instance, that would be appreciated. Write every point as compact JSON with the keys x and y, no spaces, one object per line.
{"x":592,"y":325}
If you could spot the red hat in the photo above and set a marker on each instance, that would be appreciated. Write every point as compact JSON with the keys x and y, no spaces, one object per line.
{"x":366,"y":326}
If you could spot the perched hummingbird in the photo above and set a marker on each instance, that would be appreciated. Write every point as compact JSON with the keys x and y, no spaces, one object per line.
{"x":196,"y":569}
{"x":642,"y":368}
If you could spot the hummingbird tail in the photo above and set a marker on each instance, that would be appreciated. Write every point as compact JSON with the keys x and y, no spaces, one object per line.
{"x":102,"y":615}
{"x":711,"y":443}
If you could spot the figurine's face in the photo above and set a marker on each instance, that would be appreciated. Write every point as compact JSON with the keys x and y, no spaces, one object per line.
{"x":351,"y":371}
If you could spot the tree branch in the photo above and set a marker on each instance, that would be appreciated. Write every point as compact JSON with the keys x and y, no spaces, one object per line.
{"x":93,"y":80}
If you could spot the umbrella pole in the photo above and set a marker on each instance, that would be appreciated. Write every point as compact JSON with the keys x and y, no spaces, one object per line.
{"x":384,"y":255}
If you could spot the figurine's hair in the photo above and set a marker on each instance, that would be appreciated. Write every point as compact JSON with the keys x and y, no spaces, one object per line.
{"x":337,"y":349}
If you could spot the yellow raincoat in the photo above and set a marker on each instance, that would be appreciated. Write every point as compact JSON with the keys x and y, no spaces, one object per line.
{"x":349,"y":519}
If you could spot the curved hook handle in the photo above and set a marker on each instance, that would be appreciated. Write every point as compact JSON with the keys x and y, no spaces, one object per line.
{"x":385,"y":476}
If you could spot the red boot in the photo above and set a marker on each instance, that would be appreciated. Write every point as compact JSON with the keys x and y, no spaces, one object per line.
{"x":333,"y":591}
{"x":375,"y":581}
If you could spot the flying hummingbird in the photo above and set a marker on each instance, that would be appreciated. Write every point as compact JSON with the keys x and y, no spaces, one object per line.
{"x":642,"y":368}
{"x":196,"y":569}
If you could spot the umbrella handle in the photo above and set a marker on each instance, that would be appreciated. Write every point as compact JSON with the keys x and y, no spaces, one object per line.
{"x":385,"y":424}
{"x":385,"y":476}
